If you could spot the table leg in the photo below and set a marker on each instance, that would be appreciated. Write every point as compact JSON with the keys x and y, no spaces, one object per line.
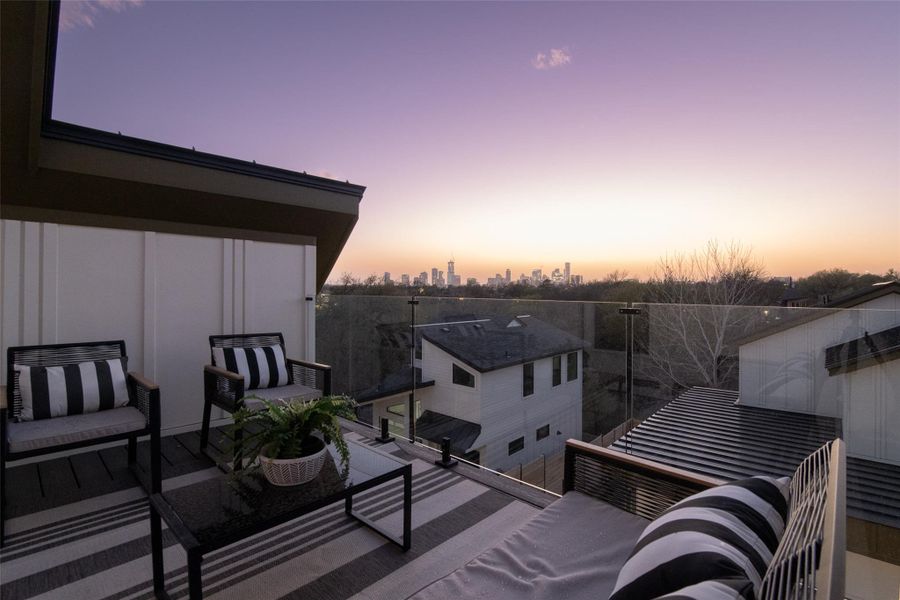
{"x":159,"y":588}
{"x":195,"y":583}
{"x":407,"y":508}
{"x":348,"y":506}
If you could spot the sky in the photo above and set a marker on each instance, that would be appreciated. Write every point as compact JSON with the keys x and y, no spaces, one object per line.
{"x":524,"y":135}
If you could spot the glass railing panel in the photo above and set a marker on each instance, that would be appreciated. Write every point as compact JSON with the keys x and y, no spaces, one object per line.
{"x":366,"y":341}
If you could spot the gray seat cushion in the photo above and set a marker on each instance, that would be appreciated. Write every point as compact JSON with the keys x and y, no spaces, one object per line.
{"x":47,"y":433}
{"x":283,"y":393}
{"x":572,"y":549}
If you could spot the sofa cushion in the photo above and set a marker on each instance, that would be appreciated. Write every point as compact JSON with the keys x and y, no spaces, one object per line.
{"x":729,"y":531}
{"x":285,"y":393}
{"x":571,"y":550}
{"x":714,"y":589}
{"x":71,"y":389}
{"x":262,"y":367}
{"x":47,"y":433}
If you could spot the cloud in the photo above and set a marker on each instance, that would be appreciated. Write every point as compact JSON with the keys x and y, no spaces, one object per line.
{"x":558,"y":57}
{"x":84,"y":13}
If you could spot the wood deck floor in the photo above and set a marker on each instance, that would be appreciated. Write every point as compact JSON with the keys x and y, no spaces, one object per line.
{"x":47,"y":484}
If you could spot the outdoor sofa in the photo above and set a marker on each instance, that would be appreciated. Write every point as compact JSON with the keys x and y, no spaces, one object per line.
{"x":79,"y":394}
{"x":576,"y":547}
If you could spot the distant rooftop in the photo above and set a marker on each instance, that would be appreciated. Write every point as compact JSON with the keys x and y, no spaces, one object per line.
{"x":492,"y":343}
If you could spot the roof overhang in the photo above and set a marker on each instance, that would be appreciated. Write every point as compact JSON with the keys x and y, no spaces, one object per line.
{"x":63,"y":173}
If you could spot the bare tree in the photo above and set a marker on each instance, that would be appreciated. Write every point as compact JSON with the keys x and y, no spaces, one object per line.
{"x":701,"y":305}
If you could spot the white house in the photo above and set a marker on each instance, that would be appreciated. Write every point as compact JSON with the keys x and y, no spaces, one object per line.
{"x":840,"y":363}
{"x":505,"y":390}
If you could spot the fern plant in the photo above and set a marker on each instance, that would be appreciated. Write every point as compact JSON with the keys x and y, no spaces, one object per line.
{"x":286,"y":430}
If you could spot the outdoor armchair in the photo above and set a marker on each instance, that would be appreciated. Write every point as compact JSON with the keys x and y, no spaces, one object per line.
{"x":73,"y":399}
{"x":261,"y":370}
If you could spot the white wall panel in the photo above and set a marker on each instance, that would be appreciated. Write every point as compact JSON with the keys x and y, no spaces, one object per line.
{"x":163,"y":294}
{"x":188,"y":299}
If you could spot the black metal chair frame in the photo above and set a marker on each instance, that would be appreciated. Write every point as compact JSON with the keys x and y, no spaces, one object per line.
{"x":143,"y":394}
{"x":225,"y":389}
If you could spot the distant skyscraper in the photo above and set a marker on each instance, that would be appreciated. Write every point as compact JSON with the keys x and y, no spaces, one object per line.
{"x":508,"y":276}
{"x":423,"y":277}
{"x":536,"y":277}
{"x":404,"y":279}
{"x":567,"y":273}
{"x":434,"y":276}
{"x":452,"y":277}
{"x":387,"y":278}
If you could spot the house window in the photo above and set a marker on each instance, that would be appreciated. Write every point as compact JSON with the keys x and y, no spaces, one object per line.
{"x":527,"y":379}
{"x":463,"y":377}
{"x":516,"y":445}
{"x":542,"y":432}
{"x":572,"y":366}
{"x":557,"y":370}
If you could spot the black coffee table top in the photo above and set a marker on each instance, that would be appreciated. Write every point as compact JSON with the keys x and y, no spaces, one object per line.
{"x":227,"y":508}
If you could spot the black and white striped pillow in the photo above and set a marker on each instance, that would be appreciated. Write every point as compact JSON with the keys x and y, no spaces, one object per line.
{"x":730,"y":531}
{"x":86,"y":387}
{"x":714,"y":589}
{"x":263,"y":367}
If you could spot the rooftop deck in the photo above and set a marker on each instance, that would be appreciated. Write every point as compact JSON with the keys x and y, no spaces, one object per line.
{"x":78,"y":528}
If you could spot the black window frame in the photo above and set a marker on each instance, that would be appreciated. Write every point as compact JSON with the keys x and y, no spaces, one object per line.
{"x":572,"y":365}
{"x":470,"y":377}
{"x":557,"y":370}
{"x":545,"y":430}
{"x":527,"y":379}
{"x":518,"y":444}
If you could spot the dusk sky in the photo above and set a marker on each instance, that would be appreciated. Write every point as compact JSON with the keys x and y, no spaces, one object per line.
{"x":523,"y":135}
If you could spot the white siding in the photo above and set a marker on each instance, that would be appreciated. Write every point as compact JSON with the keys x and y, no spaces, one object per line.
{"x":447,"y":397}
{"x":163,"y":294}
{"x":507,"y":415}
{"x":786,"y":371}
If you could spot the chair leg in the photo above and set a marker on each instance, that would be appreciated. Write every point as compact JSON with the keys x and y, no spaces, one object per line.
{"x":238,"y":449}
{"x":132,"y":450}
{"x":204,"y":427}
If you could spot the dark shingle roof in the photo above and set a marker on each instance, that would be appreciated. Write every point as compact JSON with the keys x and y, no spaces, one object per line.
{"x":434,"y":426}
{"x":704,"y":431}
{"x":394,"y":383}
{"x":489,"y":344}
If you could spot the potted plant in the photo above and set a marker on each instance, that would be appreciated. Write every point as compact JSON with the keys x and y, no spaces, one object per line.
{"x":289,"y":438}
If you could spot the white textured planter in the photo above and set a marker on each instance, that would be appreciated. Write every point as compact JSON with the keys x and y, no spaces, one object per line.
{"x":293,"y":471}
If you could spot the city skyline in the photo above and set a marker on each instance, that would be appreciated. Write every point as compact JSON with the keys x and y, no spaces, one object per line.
{"x":557,"y":275}
{"x":609,"y":134}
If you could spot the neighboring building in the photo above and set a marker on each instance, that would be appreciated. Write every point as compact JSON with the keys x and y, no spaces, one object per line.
{"x":505,"y":389}
{"x":834,"y":363}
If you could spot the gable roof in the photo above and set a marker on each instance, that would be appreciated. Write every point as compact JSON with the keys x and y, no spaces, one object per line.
{"x":498,"y":342}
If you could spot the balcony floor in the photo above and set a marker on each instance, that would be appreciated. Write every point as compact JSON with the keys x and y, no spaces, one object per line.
{"x":77,"y":528}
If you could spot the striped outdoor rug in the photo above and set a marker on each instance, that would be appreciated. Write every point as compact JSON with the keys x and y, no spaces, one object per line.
{"x":100,"y":547}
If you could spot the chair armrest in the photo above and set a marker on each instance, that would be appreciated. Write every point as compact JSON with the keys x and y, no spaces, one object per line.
{"x":142,"y":381}
{"x":315,"y":375}
{"x":144,"y":395}
{"x":636,"y":485}
{"x":223,"y":388}
{"x":220,"y":372}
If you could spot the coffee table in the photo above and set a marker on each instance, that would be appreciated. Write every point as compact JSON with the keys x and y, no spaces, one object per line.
{"x":216,"y":512}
